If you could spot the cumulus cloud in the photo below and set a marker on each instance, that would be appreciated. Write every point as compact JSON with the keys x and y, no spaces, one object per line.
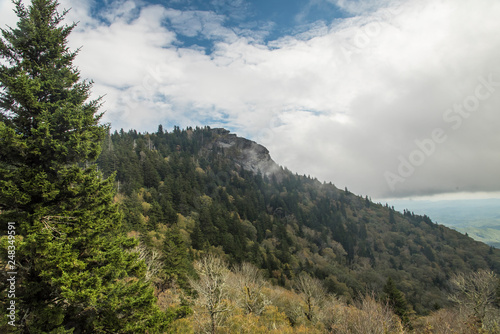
{"x":194,"y":23}
{"x":399,"y":100}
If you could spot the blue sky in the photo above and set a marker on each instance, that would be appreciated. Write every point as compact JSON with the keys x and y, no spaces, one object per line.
{"x":264,"y":20}
{"x":390,"y":98}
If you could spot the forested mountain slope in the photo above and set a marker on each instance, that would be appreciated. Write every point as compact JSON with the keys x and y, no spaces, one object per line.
{"x":206,"y":189}
{"x":198,"y":231}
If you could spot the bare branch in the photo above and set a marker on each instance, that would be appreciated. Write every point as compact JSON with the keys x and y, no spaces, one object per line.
{"x":475,"y":293}
{"x":212,"y":288}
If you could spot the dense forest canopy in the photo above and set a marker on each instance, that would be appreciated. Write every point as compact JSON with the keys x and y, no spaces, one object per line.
{"x":198,"y":230}
{"x":193,"y":182}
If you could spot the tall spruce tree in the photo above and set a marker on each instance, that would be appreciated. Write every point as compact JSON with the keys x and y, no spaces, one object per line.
{"x":397,"y":301}
{"x":76,"y":272}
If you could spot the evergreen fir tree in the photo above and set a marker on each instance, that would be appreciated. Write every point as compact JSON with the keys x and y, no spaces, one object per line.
{"x":396,"y":299}
{"x":176,"y":262}
{"x":392,"y":220}
{"x":74,"y":272}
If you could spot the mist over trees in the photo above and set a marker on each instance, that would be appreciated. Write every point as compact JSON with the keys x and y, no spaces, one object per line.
{"x":300,"y":235}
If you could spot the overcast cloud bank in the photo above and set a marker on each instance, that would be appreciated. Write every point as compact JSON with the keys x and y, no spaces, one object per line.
{"x":348,"y":101}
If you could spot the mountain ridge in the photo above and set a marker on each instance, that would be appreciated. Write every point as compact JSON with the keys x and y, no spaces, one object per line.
{"x":209,"y":185}
{"x":246,"y":153}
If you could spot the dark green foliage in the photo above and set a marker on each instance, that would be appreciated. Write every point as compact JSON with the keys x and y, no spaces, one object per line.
{"x":175,"y":261}
{"x":498,"y":294}
{"x":43,"y":102}
{"x":392,"y":221}
{"x":396,"y":300}
{"x":286,"y":223}
{"x":76,"y":271}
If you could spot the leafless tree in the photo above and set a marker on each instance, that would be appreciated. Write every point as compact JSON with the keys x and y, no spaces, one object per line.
{"x":248,"y":281}
{"x":367,"y":316}
{"x":375,"y":318}
{"x":212,"y":288}
{"x":313,"y":293}
{"x":475,"y":294}
{"x":151,"y":258}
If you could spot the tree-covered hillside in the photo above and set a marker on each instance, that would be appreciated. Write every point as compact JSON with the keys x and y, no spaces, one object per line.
{"x":197,"y":230}
{"x":194,"y":189}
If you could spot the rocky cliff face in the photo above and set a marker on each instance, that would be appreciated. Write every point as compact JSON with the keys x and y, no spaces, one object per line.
{"x":245,"y":153}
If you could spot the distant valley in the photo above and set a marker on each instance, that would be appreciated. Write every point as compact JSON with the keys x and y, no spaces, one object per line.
{"x":479,"y":218}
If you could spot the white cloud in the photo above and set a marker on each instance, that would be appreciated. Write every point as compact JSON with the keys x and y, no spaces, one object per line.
{"x":194,"y":23}
{"x":7,"y":15}
{"x":360,"y":6}
{"x":342,"y":102}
